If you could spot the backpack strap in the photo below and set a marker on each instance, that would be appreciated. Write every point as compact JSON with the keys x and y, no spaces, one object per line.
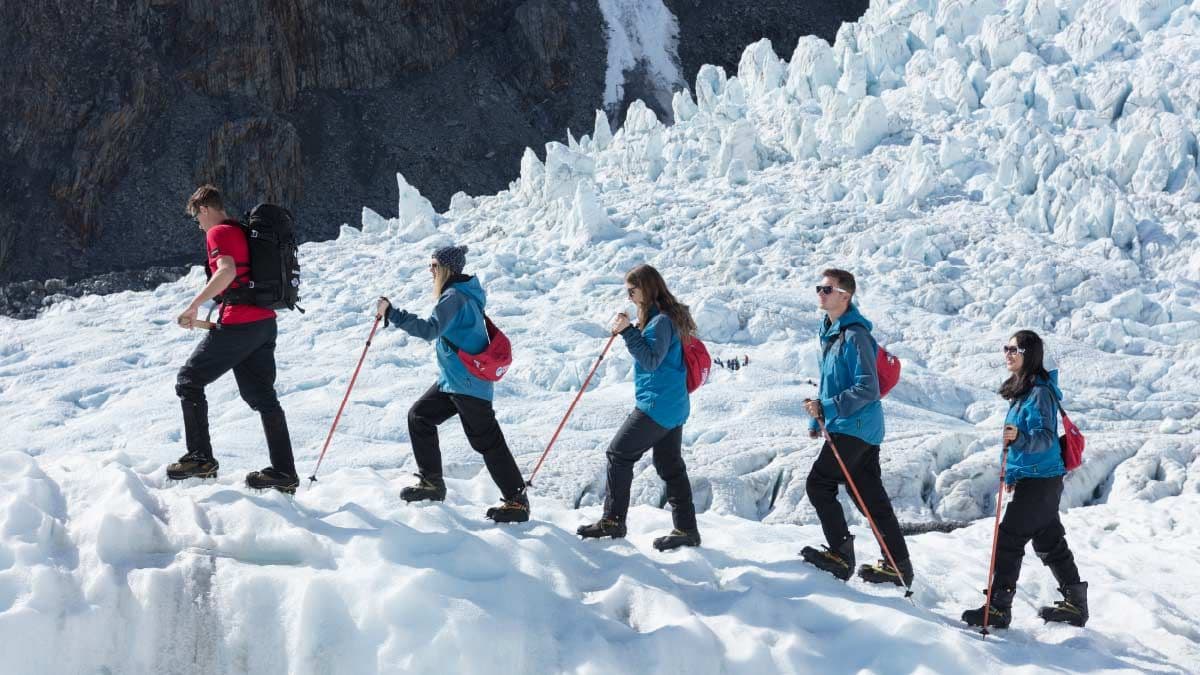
{"x":1057,"y":402}
{"x":453,"y":347}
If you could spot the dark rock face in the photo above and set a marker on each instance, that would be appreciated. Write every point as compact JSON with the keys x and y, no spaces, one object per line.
{"x":113,"y":112}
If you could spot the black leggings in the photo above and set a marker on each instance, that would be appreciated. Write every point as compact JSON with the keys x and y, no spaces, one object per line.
{"x":483,"y":433}
{"x":1032,"y":515}
{"x":639,"y":434}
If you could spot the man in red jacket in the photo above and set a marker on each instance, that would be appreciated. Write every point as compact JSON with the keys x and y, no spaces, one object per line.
{"x":244,"y":341}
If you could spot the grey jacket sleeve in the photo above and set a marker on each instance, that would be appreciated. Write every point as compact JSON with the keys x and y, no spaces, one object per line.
{"x":1040,"y":436}
{"x":432,"y":328}
{"x":649,"y":347}
{"x":860,"y":357}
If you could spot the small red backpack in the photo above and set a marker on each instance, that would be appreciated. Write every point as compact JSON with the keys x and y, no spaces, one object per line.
{"x":888,"y":367}
{"x":698,"y":362}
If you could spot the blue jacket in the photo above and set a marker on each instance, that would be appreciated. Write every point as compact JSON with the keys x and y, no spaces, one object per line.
{"x":1035,"y":453}
{"x":660,"y":375}
{"x":458,"y":317}
{"x":849,"y":391}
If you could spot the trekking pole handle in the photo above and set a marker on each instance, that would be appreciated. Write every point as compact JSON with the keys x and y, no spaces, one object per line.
{"x":202,"y":324}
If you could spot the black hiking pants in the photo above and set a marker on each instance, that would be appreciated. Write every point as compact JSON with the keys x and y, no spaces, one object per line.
{"x":483,"y":433}
{"x":862,"y":461}
{"x":1032,"y":515}
{"x":249,"y":350}
{"x":638,"y":434}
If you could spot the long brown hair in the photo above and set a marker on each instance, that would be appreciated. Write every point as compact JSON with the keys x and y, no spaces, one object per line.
{"x":655,"y":294}
{"x":440,"y":277}
{"x":1032,"y":368}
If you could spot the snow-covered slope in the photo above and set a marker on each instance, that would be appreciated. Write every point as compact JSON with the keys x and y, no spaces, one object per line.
{"x":981,"y":166}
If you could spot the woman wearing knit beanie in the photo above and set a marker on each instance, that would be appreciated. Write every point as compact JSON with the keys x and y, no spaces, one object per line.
{"x":457,"y":322}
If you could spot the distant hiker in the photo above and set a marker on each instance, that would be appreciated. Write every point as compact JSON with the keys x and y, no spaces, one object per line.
{"x":746,"y":360}
{"x":662,"y":407}
{"x":457,"y":323}
{"x":244,"y":341}
{"x":1034,"y":474}
{"x":849,"y":405}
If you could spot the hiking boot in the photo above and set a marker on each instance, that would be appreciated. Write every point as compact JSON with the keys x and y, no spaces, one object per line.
{"x":677,"y":538}
{"x":605,"y":527}
{"x":883,"y":573}
{"x":514,"y":510}
{"x":1071,"y":609}
{"x":1000,"y":611}
{"x":271,"y":477}
{"x":428,"y":488}
{"x":839,"y":563}
{"x":192,"y":466}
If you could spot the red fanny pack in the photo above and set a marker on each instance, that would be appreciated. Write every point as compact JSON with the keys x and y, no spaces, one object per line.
{"x":493,"y":362}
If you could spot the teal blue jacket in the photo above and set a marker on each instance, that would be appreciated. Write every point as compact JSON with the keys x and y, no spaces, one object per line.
{"x":1036,"y":452}
{"x":458,"y":317}
{"x":849,"y":389}
{"x":660,"y":375}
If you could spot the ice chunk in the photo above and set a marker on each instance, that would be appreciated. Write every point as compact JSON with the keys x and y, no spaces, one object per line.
{"x":737,"y":173}
{"x":1147,"y":15}
{"x":587,"y":221}
{"x":812,"y":66}
{"x":739,"y":141}
{"x":461,"y":201}
{"x":1003,"y":39}
{"x":602,"y":135}
{"x":761,"y":69}
{"x":868,"y":125}
{"x":1093,"y":34}
{"x":710,"y":84}
{"x":412,"y":205}
{"x":564,"y":170}
{"x":960,"y":19}
{"x":682,"y":105}
{"x":373,"y":223}
{"x":1042,"y":18}
{"x":533,"y":175}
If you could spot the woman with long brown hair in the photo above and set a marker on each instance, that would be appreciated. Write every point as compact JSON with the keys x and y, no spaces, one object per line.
{"x":660,"y":383}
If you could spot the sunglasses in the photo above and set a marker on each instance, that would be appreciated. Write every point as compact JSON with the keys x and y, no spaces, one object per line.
{"x":433,"y":266}
{"x":630,"y":289}
{"x":827,"y":290}
{"x":1009,"y":349}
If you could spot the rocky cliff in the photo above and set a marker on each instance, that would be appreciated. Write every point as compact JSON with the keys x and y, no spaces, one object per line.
{"x":113,"y":112}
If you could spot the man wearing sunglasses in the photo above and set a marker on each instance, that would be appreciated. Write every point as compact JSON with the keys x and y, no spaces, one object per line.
{"x":849,"y":404}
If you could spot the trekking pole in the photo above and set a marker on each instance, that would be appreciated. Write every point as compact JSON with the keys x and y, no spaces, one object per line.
{"x":862,"y":505}
{"x":987,"y":605}
{"x":313,"y":478}
{"x":529,"y":483}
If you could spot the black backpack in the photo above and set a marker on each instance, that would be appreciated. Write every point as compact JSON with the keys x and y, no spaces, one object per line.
{"x":274,"y":277}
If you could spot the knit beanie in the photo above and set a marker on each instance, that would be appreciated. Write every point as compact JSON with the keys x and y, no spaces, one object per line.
{"x":453,"y":258}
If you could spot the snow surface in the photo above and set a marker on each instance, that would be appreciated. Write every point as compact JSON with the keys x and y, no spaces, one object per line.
{"x":975,"y":182}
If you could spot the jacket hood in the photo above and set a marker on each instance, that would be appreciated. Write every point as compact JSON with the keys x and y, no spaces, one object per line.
{"x":851,"y":317}
{"x":468,"y":286}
